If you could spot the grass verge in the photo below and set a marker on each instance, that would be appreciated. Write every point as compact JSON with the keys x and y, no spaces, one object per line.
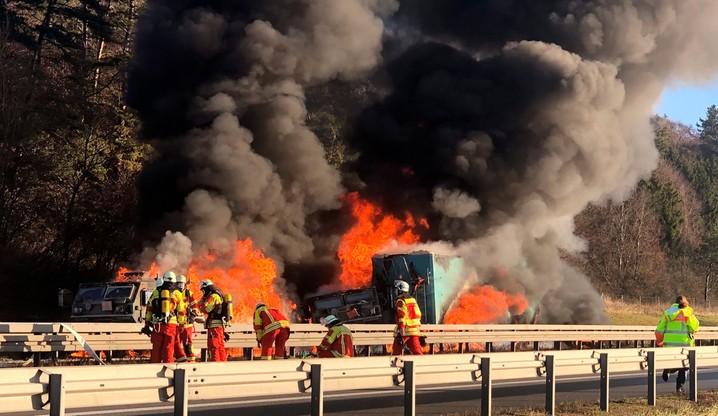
{"x":668,"y":405}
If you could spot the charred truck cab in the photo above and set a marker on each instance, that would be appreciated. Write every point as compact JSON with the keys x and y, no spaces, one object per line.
{"x":110,"y":302}
{"x":435,"y":281}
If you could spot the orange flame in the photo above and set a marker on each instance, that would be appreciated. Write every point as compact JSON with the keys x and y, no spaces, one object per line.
{"x":248,"y":275}
{"x":485,"y":304}
{"x":372,"y":232}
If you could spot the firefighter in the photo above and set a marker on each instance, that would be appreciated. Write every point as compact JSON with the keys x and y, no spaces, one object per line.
{"x":408,"y":321}
{"x":184,"y":348}
{"x":676,"y":329}
{"x":272,"y":329}
{"x":213,"y":304}
{"x":162,"y":315}
{"x":337,"y":342}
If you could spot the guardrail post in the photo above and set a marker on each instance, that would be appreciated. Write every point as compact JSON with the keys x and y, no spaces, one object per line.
{"x":57,"y":395}
{"x":409,"y":389}
{"x":36,"y":359}
{"x":550,"y":385}
{"x":317,"y":391}
{"x":603,"y":362}
{"x":180,"y":387}
{"x":485,"y":386}
{"x":693,"y":379}
{"x":651,"y":378}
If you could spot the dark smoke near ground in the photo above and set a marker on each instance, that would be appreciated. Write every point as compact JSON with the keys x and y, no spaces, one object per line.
{"x":503,"y":120}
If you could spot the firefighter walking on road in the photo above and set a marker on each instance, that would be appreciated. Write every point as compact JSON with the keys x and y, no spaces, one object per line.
{"x":676,"y":329}
{"x":272,"y":329}
{"x":162,"y":309}
{"x":218,"y":315}
{"x":338,"y":342}
{"x":408,"y":321}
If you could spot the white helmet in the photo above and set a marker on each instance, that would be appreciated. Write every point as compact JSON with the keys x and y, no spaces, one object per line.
{"x":170,"y":277}
{"x":328,"y":320}
{"x":205,"y":283}
{"x":158,"y":282}
{"x":181,"y":279}
{"x":401,"y":285}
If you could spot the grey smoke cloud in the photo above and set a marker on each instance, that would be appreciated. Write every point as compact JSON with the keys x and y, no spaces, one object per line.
{"x":533,"y":110}
{"x":511,"y":116}
{"x":252,"y":169}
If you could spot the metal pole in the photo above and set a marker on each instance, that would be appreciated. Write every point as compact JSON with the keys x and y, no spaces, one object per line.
{"x":485,"y":386}
{"x":409,"y":389}
{"x":317,"y":391}
{"x":57,"y":395}
{"x":550,"y":385}
{"x":693,"y":379}
{"x":603,"y":362}
{"x":651,"y":378}
{"x":180,"y":387}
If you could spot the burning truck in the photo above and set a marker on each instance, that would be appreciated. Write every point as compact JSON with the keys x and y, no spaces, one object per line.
{"x":436,"y":281}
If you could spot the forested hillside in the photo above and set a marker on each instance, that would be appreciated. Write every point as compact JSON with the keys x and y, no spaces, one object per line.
{"x":72,"y":154}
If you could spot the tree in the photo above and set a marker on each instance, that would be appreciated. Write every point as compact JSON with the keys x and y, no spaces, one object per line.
{"x":708,"y":130}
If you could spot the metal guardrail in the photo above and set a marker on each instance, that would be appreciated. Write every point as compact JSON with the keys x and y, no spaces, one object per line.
{"x":52,"y":337}
{"x":59,"y":388}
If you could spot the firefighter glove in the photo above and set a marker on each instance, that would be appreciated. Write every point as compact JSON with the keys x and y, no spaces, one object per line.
{"x":226,"y":337}
{"x":146,"y":330}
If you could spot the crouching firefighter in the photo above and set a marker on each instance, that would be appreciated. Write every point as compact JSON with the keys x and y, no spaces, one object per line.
{"x":338,"y":342}
{"x":218,"y":308}
{"x":162,"y":316}
{"x":272,"y":329}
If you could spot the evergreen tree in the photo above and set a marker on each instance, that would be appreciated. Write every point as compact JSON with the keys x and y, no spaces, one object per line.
{"x":708,"y":130}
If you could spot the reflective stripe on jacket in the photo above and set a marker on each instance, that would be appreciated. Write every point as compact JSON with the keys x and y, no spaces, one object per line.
{"x":408,"y":316}
{"x":176,"y":304}
{"x":677,"y":327}
{"x":267,"y":320}
{"x":190,"y":304}
{"x":211,"y":303}
{"x":339,"y":341}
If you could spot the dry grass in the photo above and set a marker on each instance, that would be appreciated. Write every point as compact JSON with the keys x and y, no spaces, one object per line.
{"x":622,"y":313}
{"x":669,"y":405}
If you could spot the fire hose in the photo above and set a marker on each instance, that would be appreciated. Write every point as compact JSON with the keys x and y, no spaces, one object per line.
{"x":84,"y":343}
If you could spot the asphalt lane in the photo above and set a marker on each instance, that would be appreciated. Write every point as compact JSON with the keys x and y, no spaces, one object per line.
{"x":430,"y":400}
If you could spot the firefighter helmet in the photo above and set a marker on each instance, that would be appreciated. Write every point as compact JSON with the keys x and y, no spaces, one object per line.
{"x":159,"y":281}
{"x":259,"y":305}
{"x":205,"y":284}
{"x":181,"y":279}
{"x":170,"y":277}
{"x":401,"y":285}
{"x":329,"y":319}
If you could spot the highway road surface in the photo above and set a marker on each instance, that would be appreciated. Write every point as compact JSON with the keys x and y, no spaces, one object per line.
{"x":439,"y":400}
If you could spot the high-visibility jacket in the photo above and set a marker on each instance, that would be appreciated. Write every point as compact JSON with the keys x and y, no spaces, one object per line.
{"x":176,"y":303}
{"x":190,"y":304}
{"x":339,"y":341}
{"x":267,"y":320}
{"x":209,"y":304}
{"x":677,"y":327}
{"x":408,"y":315}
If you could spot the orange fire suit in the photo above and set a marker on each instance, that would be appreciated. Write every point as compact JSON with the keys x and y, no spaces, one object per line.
{"x":337,"y":342}
{"x":212,"y":306}
{"x":164,"y":327}
{"x":184,"y":349}
{"x":272,"y":329}
{"x":408,"y":324}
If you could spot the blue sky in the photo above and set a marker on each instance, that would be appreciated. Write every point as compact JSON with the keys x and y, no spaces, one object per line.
{"x":687,"y":103}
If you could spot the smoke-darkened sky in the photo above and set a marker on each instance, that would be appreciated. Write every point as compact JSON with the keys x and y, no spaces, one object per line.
{"x":501,"y":121}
